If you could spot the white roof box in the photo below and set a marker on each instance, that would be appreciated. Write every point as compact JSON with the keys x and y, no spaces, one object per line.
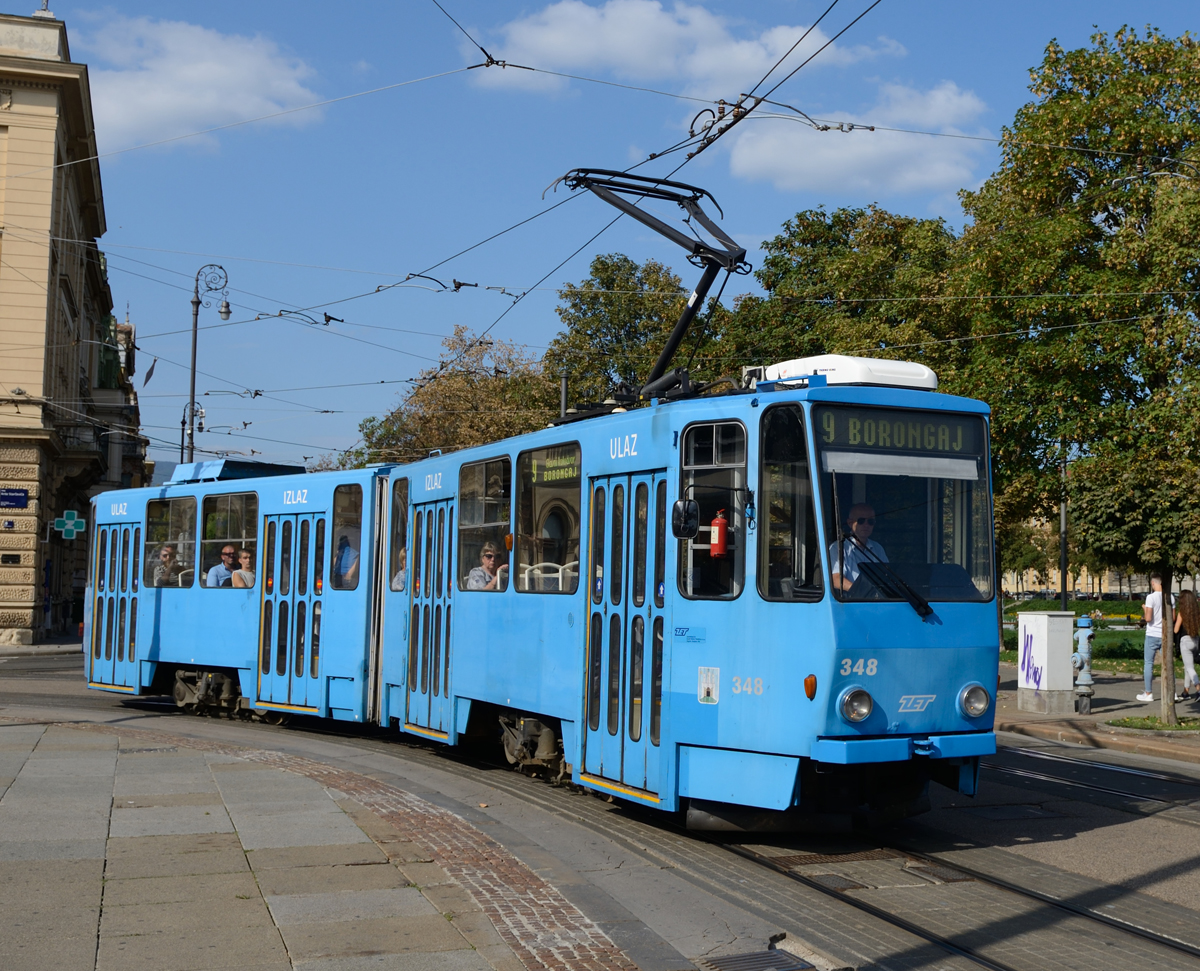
{"x":840,"y":369}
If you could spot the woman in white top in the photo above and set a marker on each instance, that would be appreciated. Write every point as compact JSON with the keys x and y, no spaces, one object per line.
{"x":1187,"y":623}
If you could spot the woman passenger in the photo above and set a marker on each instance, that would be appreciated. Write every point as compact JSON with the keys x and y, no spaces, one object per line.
{"x":243,"y":576}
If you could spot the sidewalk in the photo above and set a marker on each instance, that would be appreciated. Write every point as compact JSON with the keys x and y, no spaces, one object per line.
{"x":1115,"y":698}
{"x":66,"y":644}
{"x":125,"y":848}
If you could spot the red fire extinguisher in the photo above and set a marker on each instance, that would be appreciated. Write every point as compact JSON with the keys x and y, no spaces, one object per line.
{"x":720,"y":538}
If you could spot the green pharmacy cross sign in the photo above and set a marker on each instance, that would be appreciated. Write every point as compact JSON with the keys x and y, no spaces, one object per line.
{"x":70,"y":523}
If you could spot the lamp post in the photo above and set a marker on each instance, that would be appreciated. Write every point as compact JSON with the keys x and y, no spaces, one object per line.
{"x":215,"y":279}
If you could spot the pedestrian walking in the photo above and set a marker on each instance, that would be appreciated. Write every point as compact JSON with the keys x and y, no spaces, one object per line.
{"x":1187,"y":624}
{"x":1152,"y":614}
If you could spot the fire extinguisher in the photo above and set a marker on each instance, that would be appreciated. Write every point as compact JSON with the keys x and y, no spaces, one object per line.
{"x":720,"y":539}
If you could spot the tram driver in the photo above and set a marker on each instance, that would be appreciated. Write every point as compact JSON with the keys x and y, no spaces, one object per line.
{"x":857,"y":547}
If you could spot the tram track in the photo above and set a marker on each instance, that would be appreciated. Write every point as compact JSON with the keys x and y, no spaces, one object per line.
{"x":668,"y":842}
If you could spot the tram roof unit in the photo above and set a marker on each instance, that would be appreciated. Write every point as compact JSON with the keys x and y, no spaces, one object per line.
{"x":843,"y":369}
{"x":219,"y":470}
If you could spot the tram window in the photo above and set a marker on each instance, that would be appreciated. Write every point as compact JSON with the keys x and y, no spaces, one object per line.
{"x":121,"y":629}
{"x":912,"y":487}
{"x":301,"y":620}
{"x":597,"y":572}
{"x":398,"y":568}
{"x":614,"y":673}
{"x":229,"y":522}
{"x":441,"y":536}
{"x":133,"y":629}
{"x":547,"y":537}
{"x":714,"y":474}
{"x":414,"y":641}
{"x":595,"y":656}
{"x":314,"y":650}
{"x":101,"y":560}
{"x":137,"y":555}
{"x":170,"y":542}
{"x":124,"y":559}
{"x":637,"y":637}
{"x":660,"y":543}
{"x":656,"y":665}
{"x":269,"y":559}
{"x":789,"y":555}
{"x":446,"y":670}
{"x":302,"y":559}
{"x":112,"y":561}
{"x":484,"y":520}
{"x":347,"y":537}
{"x":616,"y":578}
{"x":420,"y":528}
{"x":265,"y":648}
{"x":318,"y":559}
{"x":641,"y":513}
{"x":281,"y":652}
{"x":285,"y":558}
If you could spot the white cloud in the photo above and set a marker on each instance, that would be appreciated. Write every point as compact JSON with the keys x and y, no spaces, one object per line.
{"x":794,"y":157}
{"x":154,"y":79}
{"x":645,"y":41}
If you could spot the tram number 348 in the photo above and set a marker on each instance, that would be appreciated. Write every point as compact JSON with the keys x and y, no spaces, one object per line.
{"x":747,"y":686}
{"x":868,"y":667}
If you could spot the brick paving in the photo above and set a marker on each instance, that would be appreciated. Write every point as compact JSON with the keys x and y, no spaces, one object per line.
{"x":539,"y":924}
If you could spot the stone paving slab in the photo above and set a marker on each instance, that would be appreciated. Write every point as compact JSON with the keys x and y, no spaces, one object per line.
{"x":170,"y":821}
{"x":152,"y":856}
{"x":350,"y":905}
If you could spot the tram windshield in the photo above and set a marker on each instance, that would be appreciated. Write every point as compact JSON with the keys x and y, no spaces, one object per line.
{"x":906,"y":504}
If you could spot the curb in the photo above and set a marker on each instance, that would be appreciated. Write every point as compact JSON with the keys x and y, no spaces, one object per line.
{"x":1183,"y":751}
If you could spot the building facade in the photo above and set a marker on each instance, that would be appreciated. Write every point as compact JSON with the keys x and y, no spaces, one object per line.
{"x":69,"y":423}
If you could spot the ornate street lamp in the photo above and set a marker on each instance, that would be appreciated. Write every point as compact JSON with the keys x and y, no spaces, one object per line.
{"x":215,"y":280}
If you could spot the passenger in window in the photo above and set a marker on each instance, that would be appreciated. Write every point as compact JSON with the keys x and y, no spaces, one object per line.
{"x":400,"y":580}
{"x":243,"y":576}
{"x":857,"y":547}
{"x":491,"y":574}
{"x":345,"y":564}
{"x":221,"y":575}
{"x":167,"y":569}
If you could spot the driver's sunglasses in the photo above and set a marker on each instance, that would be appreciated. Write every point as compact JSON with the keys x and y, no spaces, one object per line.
{"x":489,"y":556}
{"x":230,"y":553}
{"x":869,"y":520}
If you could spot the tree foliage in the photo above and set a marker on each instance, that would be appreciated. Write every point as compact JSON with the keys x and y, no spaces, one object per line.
{"x":479,"y":392}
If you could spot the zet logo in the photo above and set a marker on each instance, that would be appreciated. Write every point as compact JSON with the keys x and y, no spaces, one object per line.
{"x":916,"y":702}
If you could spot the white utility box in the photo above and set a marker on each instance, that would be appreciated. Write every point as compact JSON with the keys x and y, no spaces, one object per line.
{"x":1045,"y":678}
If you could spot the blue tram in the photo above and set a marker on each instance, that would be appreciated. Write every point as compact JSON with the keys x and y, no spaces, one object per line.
{"x":770,"y":607}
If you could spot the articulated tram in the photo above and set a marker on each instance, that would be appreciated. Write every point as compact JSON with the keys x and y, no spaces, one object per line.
{"x":767,"y":608}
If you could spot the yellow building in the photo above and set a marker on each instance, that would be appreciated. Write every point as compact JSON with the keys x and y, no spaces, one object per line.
{"x":68,"y":413}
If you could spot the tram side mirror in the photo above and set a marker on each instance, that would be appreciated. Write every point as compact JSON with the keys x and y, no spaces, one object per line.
{"x":685,"y":519}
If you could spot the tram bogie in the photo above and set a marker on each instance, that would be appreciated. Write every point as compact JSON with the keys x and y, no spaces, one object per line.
{"x":773,"y":607}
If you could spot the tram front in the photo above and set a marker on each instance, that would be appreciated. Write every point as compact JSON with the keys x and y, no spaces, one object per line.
{"x":906,"y":513}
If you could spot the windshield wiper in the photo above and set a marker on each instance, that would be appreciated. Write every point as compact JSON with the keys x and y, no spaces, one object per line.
{"x":882,"y":575}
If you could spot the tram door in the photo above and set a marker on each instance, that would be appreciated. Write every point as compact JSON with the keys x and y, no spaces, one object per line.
{"x":432,"y":534}
{"x":625,"y":629}
{"x":114,"y":613}
{"x":293,"y":587}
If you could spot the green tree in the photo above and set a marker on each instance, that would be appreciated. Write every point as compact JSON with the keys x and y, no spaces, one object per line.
{"x":481,"y":391}
{"x":615,"y":323}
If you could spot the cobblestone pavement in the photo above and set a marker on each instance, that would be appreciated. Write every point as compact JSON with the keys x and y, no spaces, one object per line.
{"x":210,"y":856}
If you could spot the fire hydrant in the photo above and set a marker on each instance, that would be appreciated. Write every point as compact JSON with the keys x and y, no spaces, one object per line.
{"x":1081,"y":660}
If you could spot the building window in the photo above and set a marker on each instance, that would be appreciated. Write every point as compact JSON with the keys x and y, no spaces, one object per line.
{"x":484,"y":537}
{"x":230,"y":530}
{"x":170,"y":542}
{"x":714,"y":474}
{"x":347,"y":537}
{"x":547,"y":535}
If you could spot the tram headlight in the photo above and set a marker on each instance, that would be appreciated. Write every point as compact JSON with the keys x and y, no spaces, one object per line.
{"x":974,"y":700}
{"x":855,"y":705}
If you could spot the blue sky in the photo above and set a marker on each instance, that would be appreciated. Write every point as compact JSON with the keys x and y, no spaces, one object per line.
{"x":316,"y":208}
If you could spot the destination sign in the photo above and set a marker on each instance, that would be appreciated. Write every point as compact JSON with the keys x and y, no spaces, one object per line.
{"x":886,"y":429}
{"x":555,"y":466}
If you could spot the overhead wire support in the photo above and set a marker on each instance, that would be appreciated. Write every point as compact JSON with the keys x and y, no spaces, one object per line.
{"x":613,"y":186}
